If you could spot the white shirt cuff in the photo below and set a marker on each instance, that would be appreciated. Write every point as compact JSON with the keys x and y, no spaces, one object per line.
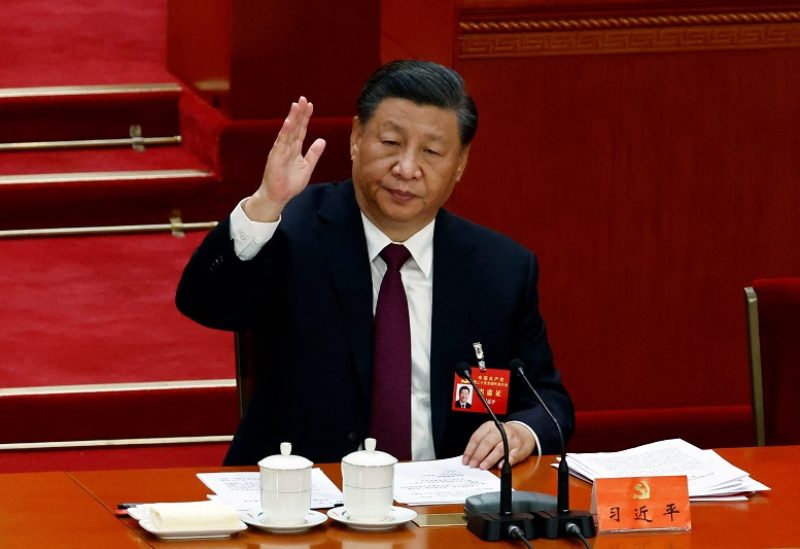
{"x":535,"y":438}
{"x":249,"y":236}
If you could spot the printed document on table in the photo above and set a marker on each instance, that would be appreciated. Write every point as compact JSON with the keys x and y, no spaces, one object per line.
{"x":243,"y":490}
{"x":709,"y":474}
{"x":440,"y":481}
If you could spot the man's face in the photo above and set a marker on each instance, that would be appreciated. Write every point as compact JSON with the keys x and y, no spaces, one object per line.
{"x":406,"y":161}
{"x":463,"y":394}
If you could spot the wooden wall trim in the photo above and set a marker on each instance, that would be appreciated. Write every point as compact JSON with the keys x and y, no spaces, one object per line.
{"x":519,"y":37}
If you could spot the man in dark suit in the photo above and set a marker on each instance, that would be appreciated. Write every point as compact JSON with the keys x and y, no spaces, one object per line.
{"x":303,"y":266}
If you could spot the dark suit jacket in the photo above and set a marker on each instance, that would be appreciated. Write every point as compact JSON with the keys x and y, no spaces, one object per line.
{"x":309,"y":291}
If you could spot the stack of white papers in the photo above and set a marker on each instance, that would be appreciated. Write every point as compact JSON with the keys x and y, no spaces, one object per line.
{"x":415,"y":483}
{"x":711,"y":478}
{"x":440,"y":482}
{"x":242,"y":491}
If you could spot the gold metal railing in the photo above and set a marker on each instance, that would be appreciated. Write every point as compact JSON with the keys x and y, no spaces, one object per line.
{"x":100,"y":89}
{"x":135,"y":142}
{"x":754,"y":346}
{"x":176,"y":226}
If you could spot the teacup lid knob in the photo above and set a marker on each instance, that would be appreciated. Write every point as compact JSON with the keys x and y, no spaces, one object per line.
{"x":285,"y":461}
{"x":369,"y":456}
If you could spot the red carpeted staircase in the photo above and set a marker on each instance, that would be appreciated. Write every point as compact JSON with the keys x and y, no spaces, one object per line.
{"x":95,"y":355}
{"x":98,"y":155}
{"x":97,"y":368}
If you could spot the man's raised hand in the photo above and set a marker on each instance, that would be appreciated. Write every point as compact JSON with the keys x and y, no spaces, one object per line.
{"x":287,"y":171}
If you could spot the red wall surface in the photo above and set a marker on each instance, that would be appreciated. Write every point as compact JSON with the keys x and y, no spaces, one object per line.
{"x":653,"y":167}
{"x":253,"y":58}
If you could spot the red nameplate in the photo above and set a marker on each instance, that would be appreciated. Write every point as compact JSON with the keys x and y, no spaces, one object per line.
{"x":641,"y":503}
{"x":491,"y":382}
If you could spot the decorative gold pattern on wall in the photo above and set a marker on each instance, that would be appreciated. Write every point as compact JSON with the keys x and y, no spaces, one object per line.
{"x":484,"y":39}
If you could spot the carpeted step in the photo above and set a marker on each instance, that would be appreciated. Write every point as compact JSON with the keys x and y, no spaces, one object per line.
{"x":82,"y":310}
{"x":68,"y":188}
{"x":112,"y":426}
{"x":57,"y":170}
{"x":60,"y":42}
{"x":49,"y":117}
{"x":119,"y":411}
{"x":95,"y":349}
{"x":112,"y":457}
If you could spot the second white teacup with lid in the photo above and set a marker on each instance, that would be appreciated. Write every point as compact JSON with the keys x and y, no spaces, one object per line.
{"x":285,"y":487}
{"x":368,"y":483}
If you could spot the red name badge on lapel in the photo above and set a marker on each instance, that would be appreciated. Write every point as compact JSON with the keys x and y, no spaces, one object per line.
{"x":491,"y":382}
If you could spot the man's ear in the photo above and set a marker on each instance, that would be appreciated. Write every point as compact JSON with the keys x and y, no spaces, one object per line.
{"x":463,"y":157}
{"x":355,"y":137}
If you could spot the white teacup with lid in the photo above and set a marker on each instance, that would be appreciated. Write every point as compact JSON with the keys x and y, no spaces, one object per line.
{"x":368,"y":483}
{"x":285,"y":487}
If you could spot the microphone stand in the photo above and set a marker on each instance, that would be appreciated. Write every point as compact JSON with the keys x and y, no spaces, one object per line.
{"x":497,"y":526}
{"x":561,"y":522}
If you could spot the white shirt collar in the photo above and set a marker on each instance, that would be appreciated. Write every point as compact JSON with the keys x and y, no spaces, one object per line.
{"x":420,"y":244}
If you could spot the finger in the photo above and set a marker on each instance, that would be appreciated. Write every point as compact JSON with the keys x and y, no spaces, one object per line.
{"x":314,"y":152}
{"x":304,"y":111}
{"x":469,"y":450}
{"x":486,"y":445}
{"x":473,"y":443}
{"x":493,"y":457}
{"x":513,"y":458}
{"x":286,"y":133}
{"x":517,"y":445}
{"x":521,"y":443}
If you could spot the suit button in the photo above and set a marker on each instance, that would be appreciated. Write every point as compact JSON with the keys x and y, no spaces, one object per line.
{"x":352,"y":437}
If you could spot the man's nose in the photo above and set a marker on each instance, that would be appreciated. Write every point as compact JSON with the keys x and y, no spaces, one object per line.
{"x":407,"y":166}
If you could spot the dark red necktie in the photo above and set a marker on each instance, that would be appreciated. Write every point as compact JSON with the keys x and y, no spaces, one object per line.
{"x":390,"y":420}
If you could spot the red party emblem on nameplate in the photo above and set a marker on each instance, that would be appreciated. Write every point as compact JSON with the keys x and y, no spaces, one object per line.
{"x":641,"y":503}
{"x":491,"y":382}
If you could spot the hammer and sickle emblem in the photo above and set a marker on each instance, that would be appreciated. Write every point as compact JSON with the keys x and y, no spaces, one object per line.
{"x":641,"y":490}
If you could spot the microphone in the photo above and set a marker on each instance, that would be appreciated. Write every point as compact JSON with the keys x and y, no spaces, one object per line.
{"x":497,"y":526}
{"x":561,"y":522}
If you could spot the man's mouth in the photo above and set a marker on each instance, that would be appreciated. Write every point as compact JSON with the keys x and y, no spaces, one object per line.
{"x":400,"y":195}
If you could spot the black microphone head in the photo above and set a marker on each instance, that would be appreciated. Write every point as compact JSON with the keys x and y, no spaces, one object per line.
{"x":462,"y":369}
{"x":517,"y":365}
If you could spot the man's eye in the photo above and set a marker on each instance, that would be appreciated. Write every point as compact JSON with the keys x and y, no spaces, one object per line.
{"x":389,"y":142}
{"x":433,"y":152}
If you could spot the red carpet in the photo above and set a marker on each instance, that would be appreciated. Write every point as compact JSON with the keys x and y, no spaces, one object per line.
{"x":86,"y":459}
{"x":119,"y":414}
{"x":100,"y":310}
{"x":95,"y":160}
{"x":74,"y":42}
{"x":65,"y":42}
{"x":97,"y":310}
{"x":65,"y":113}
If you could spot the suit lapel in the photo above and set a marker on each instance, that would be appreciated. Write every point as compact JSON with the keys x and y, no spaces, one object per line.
{"x":344,"y":247}
{"x":451,"y":314}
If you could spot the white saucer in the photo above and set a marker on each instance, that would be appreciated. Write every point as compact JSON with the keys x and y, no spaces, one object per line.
{"x":254,"y":518}
{"x":139,"y":512}
{"x":148,"y":525}
{"x":396,"y":517}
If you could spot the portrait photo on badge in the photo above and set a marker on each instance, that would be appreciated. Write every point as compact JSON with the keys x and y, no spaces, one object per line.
{"x":463,"y":397}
